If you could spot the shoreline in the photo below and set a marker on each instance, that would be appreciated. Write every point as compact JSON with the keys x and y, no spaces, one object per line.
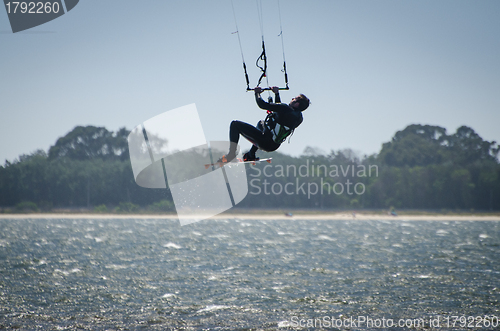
{"x":334,"y":216}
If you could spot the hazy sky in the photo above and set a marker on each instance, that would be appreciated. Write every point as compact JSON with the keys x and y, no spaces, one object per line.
{"x":370,"y":68}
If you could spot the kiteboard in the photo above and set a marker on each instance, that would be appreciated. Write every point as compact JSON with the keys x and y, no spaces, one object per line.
{"x":238,"y":161}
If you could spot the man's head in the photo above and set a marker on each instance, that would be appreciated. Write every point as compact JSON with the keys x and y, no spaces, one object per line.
{"x":300,"y":102}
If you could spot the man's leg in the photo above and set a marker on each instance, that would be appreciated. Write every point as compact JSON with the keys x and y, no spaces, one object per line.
{"x":248,"y":131}
{"x":254,"y":149}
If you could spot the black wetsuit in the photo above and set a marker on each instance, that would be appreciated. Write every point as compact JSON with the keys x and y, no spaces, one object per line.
{"x":260,"y":136}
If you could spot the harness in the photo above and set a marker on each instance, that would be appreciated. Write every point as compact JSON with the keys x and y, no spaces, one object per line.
{"x":280,"y":132}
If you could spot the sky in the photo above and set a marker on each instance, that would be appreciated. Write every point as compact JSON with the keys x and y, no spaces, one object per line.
{"x":370,"y":68}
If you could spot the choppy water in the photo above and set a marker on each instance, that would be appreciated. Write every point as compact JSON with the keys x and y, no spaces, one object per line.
{"x":249,"y":275}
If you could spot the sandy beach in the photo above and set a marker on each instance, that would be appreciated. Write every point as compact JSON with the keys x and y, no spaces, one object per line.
{"x":265,"y":216}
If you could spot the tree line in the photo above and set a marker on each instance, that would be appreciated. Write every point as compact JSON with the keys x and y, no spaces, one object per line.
{"x":422,"y":167}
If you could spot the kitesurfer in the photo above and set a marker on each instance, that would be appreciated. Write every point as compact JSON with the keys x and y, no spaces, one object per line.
{"x":281,"y":121}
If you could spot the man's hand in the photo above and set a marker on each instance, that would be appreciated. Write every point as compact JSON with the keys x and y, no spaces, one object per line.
{"x":258,"y":90}
{"x":275,"y":89}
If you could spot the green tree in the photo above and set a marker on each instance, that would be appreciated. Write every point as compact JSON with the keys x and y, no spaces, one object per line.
{"x":90,"y":142}
{"x":467,"y":147}
{"x":416,"y":145}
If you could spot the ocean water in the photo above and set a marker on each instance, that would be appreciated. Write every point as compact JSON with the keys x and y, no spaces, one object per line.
{"x":230,"y":274}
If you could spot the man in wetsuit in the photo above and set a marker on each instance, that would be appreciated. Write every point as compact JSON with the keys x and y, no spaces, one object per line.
{"x":268,"y":135}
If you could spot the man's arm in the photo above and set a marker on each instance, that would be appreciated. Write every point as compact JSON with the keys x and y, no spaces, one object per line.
{"x":260,"y":102}
{"x":276,"y":91}
{"x":265,"y":105}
